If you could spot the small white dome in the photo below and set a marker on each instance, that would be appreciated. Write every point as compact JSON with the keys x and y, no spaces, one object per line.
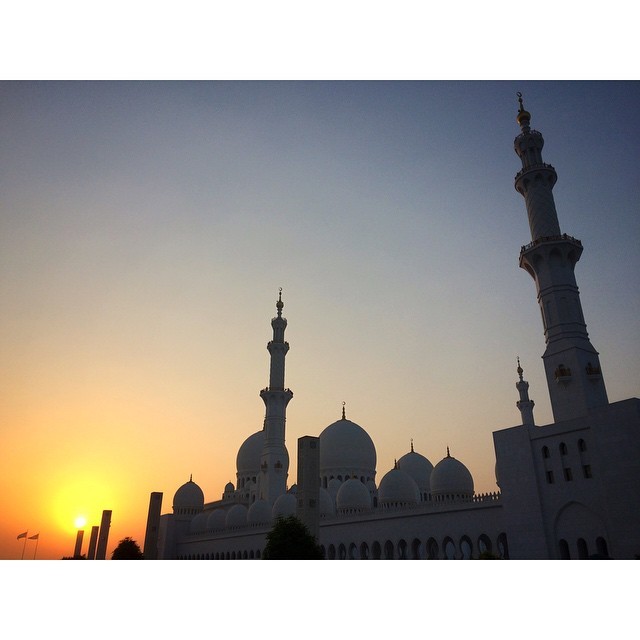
{"x":248,"y":458}
{"x":398,"y":488}
{"x":199,"y":523}
{"x":450,"y":478}
{"x":418,"y":467}
{"x":333,"y":487}
{"x":353,"y":496}
{"x":285,"y":505}
{"x":327,"y":505}
{"x":259,"y":513}
{"x":188,"y":498}
{"x":236,"y":517}
{"x":229,"y":488}
{"x":346,"y":447}
{"x":217,"y":520}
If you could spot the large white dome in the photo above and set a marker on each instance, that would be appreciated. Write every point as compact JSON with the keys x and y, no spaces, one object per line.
{"x":451,"y":479}
{"x":248,"y":458}
{"x":217,"y":520}
{"x":398,"y":488}
{"x":333,"y":487}
{"x":199,"y":523}
{"x":285,"y":505}
{"x":353,"y":496}
{"x":236,"y":517}
{"x":327,"y":506}
{"x":347,"y":450}
{"x":259,"y":513}
{"x":189,"y":498}
{"x":419,"y":468}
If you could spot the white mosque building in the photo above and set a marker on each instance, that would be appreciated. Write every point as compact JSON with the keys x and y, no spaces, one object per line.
{"x":568,"y":490}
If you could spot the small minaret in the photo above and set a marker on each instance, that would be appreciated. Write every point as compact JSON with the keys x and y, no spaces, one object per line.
{"x":524,"y":404}
{"x":274,"y":461}
{"x":571,"y":363}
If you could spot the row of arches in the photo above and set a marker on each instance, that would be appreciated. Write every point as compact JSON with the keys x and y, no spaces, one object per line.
{"x":224,"y":555}
{"x":599,"y":550}
{"x":431,"y":549}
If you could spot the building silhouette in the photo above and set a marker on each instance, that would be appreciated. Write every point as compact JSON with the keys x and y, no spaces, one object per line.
{"x":569,"y":489}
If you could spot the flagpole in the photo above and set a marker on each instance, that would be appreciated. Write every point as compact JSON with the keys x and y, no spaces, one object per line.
{"x":24,"y":546}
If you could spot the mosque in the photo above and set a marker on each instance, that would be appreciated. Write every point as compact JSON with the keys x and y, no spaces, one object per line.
{"x":567,"y":490}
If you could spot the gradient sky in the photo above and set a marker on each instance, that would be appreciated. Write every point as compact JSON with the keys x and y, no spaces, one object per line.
{"x":145,"y":229}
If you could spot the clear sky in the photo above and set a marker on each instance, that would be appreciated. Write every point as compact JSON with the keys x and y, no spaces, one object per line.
{"x":146,"y":227}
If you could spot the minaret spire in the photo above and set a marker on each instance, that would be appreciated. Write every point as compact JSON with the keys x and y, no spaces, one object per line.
{"x":274,"y":461}
{"x":571,"y":363}
{"x":524,"y":404}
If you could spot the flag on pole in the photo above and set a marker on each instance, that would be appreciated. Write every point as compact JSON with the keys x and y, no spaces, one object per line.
{"x":22,"y":535}
{"x":34,"y":537}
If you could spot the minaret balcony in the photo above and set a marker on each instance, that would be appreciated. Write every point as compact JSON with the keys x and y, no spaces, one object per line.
{"x":562,"y":374}
{"x":561,"y":238}
{"x":541,"y":165}
{"x":593,"y":373}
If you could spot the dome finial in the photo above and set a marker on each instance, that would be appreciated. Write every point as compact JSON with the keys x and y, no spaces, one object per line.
{"x":191,"y":477}
{"x":523,"y":116}
{"x":448,"y":454}
{"x":411,"y":445}
{"x":395,"y":463}
{"x":520,"y":371}
{"x":279,"y":304}
{"x":344,"y":417}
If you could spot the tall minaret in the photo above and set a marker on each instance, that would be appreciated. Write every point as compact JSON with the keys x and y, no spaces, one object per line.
{"x":274,"y":461}
{"x":571,"y":363}
{"x":525,"y":405}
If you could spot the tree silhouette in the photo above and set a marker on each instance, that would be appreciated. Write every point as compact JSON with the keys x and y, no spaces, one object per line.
{"x":127,"y":549}
{"x":289,"y":539}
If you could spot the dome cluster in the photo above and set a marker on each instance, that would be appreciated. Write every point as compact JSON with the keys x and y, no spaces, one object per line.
{"x":347,"y":484}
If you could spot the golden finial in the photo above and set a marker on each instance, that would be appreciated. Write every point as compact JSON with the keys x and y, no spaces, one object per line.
{"x":411,"y":445}
{"x":343,"y":413}
{"x":523,"y":116}
{"x":279,"y":304}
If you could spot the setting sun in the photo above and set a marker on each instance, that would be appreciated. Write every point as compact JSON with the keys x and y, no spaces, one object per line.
{"x":80,"y":521}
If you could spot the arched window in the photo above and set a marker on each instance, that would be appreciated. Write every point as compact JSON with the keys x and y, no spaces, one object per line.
{"x":583,"y":552}
{"x":563,"y":548}
{"x":364,"y":551}
{"x":342,"y":552}
{"x":388,"y":550}
{"x":402,"y":550}
{"x":545,"y":452}
{"x":353,"y":551}
{"x":503,"y":547}
{"x":449,"y":549}
{"x":582,"y":445}
{"x":417,"y":549}
{"x":332,"y":552}
{"x":484,"y":544}
{"x":466,"y":548}
{"x":563,"y":449}
{"x":601,"y":547}
{"x":432,"y":549}
{"x":376,"y":551}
